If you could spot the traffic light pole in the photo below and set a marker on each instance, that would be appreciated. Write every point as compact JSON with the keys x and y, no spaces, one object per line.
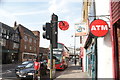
{"x":51,"y":57}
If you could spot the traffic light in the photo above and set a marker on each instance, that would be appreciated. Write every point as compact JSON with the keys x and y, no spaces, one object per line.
{"x":54,"y":23}
{"x":47,"y":29}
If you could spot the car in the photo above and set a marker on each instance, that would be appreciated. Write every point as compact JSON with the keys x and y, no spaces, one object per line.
{"x":29,"y":71}
{"x":22,"y":66}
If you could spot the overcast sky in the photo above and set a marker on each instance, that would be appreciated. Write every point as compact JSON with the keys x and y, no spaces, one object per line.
{"x":33,"y":14}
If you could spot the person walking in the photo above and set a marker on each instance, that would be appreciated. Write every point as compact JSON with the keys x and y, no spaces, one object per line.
{"x":75,"y":62}
{"x":37,"y":69}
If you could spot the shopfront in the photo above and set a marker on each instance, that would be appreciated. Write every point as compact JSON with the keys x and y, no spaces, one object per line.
{"x":91,"y":56}
{"x":115,"y":32}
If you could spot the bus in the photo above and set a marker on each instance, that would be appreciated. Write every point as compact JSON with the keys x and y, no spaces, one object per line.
{"x":61,"y":56}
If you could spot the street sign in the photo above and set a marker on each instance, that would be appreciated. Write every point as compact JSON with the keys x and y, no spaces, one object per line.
{"x":99,"y":28}
{"x":63,"y":25}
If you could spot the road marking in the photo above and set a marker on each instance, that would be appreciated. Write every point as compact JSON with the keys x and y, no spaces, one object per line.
{"x":9,"y":71}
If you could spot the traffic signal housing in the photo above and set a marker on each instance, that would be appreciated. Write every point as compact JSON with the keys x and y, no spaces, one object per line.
{"x":47,"y":29}
{"x":54,"y":23}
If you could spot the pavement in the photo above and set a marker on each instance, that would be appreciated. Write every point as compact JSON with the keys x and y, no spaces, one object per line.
{"x":73,"y":73}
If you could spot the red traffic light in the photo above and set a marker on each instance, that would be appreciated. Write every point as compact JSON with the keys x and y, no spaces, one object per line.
{"x":63,"y":25}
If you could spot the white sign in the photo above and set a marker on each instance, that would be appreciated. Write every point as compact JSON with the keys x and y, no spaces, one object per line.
{"x":80,"y":29}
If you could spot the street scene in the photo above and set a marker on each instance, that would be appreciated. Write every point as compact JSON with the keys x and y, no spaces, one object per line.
{"x":59,"y":39}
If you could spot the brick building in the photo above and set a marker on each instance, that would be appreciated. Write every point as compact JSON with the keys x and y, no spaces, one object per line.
{"x":29,"y":43}
{"x":44,"y":53}
{"x":9,"y":42}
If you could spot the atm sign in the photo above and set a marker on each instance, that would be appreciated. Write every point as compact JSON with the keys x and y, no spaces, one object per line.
{"x":99,"y":28}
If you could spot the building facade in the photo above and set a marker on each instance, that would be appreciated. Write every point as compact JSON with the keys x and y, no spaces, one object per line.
{"x":29,"y":43}
{"x":115,"y":32}
{"x":98,"y":60}
{"x":10,"y":42}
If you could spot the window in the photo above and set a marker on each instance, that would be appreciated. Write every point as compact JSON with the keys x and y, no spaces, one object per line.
{"x":25,"y":46}
{"x":34,"y":49}
{"x":30,"y":40}
{"x":4,"y":31}
{"x":34,"y":41}
{"x":25,"y":38}
{"x":30,"y":47}
{"x":2,"y":42}
{"x":0,"y":31}
{"x":15,"y":45}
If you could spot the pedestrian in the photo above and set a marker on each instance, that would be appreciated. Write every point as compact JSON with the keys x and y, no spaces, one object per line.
{"x":75,"y":61}
{"x":37,"y":69}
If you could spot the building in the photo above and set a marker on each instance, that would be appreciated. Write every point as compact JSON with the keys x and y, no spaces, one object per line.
{"x":10,"y":42}
{"x":97,"y":52}
{"x":29,"y":43}
{"x":115,"y":32}
{"x":43,"y":53}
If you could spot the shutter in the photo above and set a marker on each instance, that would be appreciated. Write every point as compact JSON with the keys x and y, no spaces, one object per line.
{"x":115,"y":11}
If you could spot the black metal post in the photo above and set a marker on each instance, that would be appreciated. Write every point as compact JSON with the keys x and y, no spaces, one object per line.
{"x":51,"y":55}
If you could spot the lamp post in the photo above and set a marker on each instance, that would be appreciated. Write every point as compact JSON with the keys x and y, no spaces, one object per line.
{"x":74,"y":44}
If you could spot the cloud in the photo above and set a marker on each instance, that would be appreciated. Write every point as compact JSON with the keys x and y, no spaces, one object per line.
{"x":7,"y":17}
{"x":30,"y":13}
{"x":25,"y":0}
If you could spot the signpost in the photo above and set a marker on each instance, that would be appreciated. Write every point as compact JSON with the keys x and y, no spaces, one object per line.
{"x":51,"y":33}
{"x":99,"y":28}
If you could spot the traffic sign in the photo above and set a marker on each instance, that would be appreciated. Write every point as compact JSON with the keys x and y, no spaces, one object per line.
{"x":63,"y":25}
{"x":99,"y":28}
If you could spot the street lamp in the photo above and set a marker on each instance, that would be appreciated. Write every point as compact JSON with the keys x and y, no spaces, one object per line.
{"x":74,"y":45}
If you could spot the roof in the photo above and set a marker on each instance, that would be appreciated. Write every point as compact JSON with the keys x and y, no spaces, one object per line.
{"x":26,"y":30}
{"x":7,"y":27}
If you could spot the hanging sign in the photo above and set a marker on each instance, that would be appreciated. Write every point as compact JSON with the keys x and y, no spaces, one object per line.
{"x":63,"y":25}
{"x":80,"y":29}
{"x":99,"y":28}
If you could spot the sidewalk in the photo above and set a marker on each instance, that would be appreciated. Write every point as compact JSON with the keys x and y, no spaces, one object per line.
{"x":73,"y":73}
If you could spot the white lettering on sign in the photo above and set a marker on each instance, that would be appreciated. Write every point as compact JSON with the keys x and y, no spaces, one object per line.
{"x":99,"y":27}
{"x":93,"y":28}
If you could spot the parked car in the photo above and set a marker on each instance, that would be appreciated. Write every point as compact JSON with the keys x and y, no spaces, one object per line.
{"x":29,"y":71}
{"x":22,"y":66}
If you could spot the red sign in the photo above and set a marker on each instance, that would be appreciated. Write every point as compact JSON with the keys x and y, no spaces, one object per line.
{"x":63,"y":25}
{"x":99,"y":28}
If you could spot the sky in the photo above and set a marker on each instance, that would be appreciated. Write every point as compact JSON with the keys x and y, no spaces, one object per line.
{"x":33,"y":14}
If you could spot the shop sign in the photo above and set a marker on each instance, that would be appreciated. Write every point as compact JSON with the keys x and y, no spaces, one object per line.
{"x":80,"y":29}
{"x":99,"y":28}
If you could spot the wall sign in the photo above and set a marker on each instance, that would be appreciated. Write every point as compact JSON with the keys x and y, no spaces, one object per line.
{"x":99,"y":28}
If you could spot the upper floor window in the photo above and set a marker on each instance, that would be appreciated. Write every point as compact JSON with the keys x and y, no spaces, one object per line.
{"x":30,"y":40}
{"x":34,"y":41}
{"x":25,"y":38}
{"x":4,"y":31}
{"x":0,"y":29}
{"x":3,"y":42}
{"x":15,"y":45}
{"x":30,"y":47}
{"x":34,"y":48}
{"x":25,"y":46}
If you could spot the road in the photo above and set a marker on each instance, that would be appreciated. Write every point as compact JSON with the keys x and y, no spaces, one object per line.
{"x":8,"y":73}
